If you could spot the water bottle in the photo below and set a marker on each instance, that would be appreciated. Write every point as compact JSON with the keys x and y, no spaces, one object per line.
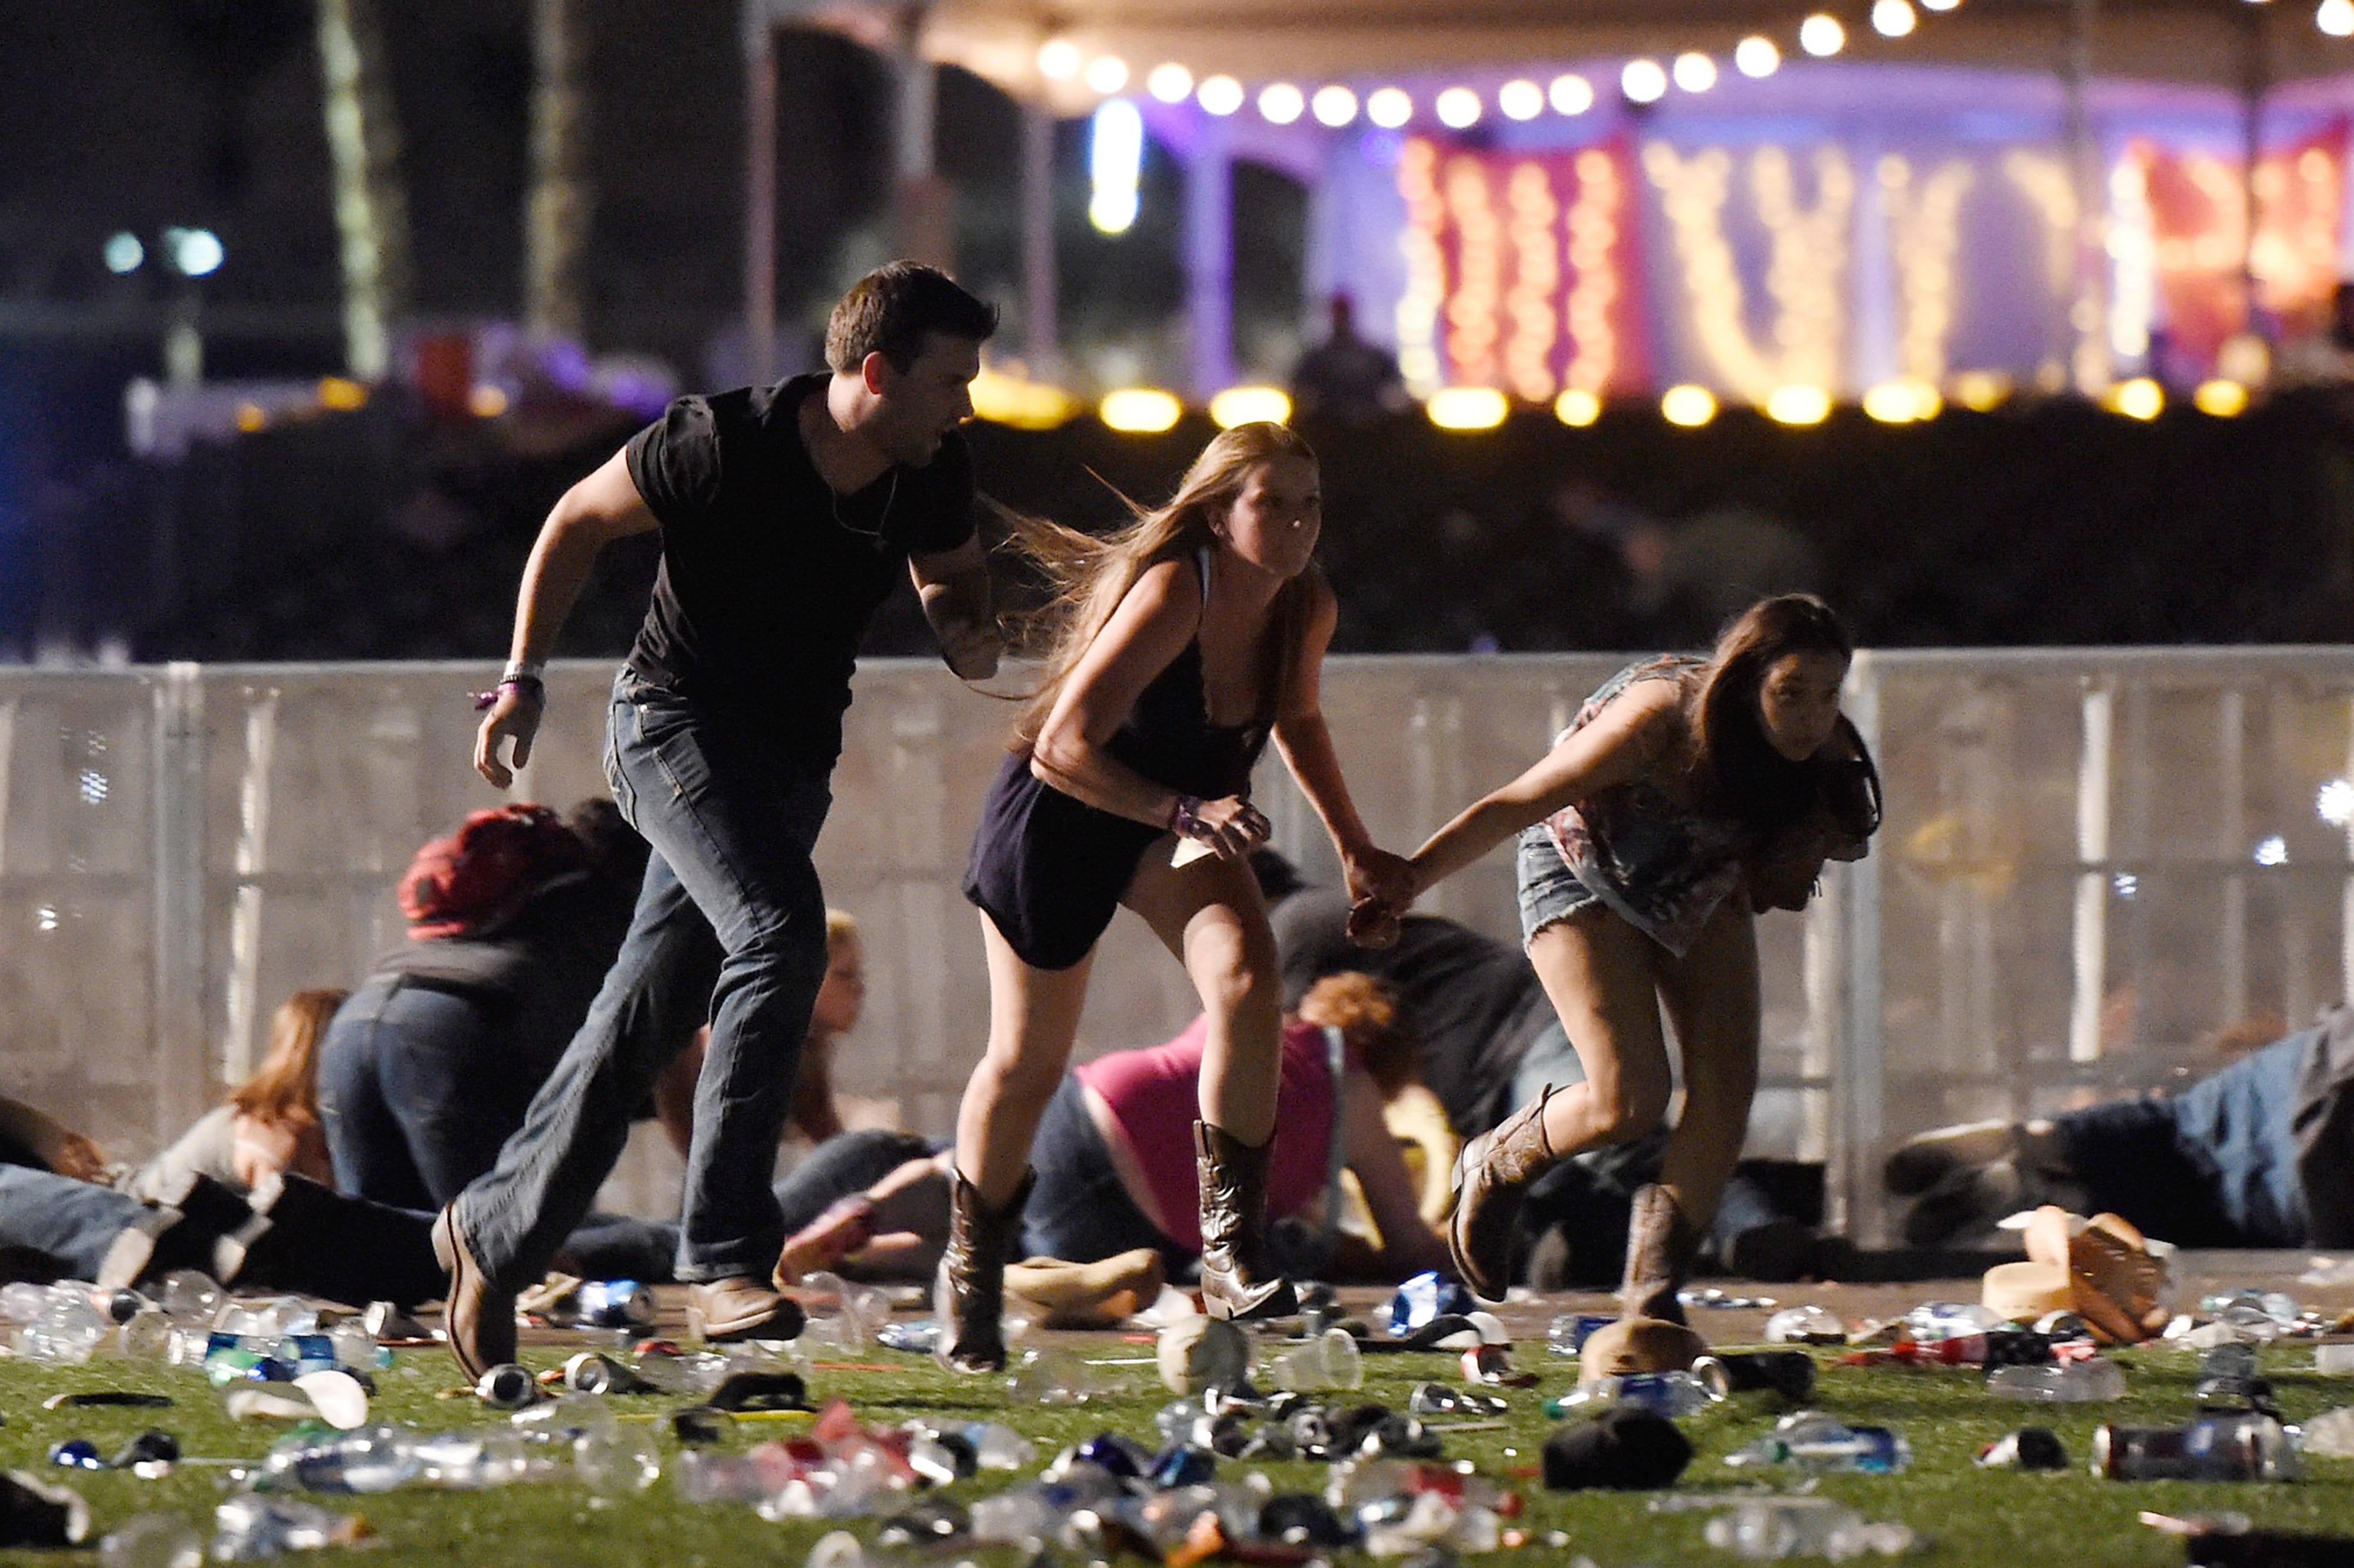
{"x":615,"y":1304}
{"x":1813,"y":1441}
{"x":617,"y":1461}
{"x":2331,"y":1434}
{"x":2247,"y":1447}
{"x":1671,"y":1393}
{"x":145,"y":1336}
{"x":190,"y":1295}
{"x":470,"y":1461}
{"x":153,"y":1540}
{"x":65,"y":1332}
{"x":370,"y":1460}
{"x":702,"y":1475}
{"x":1807,"y":1325}
{"x":1935,"y":1321}
{"x":2068,"y":1383}
{"x":1571,"y":1330}
{"x":1763,"y":1529}
{"x":355,"y":1349}
{"x":21,"y":1302}
{"x":249,"y":1527}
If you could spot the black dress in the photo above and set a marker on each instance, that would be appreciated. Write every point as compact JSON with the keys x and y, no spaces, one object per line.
{"x":1050,"y":869}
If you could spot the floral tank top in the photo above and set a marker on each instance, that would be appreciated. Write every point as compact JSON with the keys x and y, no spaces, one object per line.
{"x":1661,"y":865}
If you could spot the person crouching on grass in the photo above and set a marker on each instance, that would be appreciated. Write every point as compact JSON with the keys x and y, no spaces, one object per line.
{"x":1687,"y":795}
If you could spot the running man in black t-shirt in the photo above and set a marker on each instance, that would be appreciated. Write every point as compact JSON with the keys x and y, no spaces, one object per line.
{"x":785,"y":513}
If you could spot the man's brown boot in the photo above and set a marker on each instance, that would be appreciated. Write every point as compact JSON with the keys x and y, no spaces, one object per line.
{"x":477,"y":1315}
{"x":742,"y":1308}
{"x":968,"y":1292}
{"x":1238,"y":1278}
{"x":1491,"y":1178}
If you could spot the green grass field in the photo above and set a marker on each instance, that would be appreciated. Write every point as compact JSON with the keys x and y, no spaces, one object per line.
{"x":1963,"y":1515}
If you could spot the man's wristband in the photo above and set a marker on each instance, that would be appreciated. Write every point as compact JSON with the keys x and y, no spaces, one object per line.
{"x":530,"y":685}
{"x":1185,"y":818}
{"x":523,"y":669}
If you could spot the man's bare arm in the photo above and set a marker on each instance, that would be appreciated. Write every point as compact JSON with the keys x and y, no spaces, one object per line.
{"x":954,"y":587}
{"x":601,"y":508}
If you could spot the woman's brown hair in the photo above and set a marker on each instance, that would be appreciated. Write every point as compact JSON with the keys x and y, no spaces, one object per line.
{"x":1735,"y":765}
{"x":284,"y":1092}
{"x":1088,"y":575}
{"x":1365,"y":1010}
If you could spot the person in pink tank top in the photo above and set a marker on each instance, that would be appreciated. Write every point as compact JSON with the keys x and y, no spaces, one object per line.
{"x":1114,"y":1152}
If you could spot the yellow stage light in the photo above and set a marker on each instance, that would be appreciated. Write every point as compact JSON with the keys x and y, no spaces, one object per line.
{"x":1694,"y":71}
{"x":1521,"y":100}
{"x":1689,"y":405}
{"x":1901,"y":401}
{"x":1059,"y":60}
{"x":1004,"y":399}
{"x":2139,"y":398}
{"x":253,"y":417}
{"x":1250,"y":405}
{"x":1141,"y":410}
{"x":1570,"y":94}
{"x":1578,"y":406}
{"x":1466,"y":408}
{"x":1643,"y":81}
{"x":1280,"y":103}
{"x":1981,"y":391}
{"x":342,"y":394}
{"x":1821,"y":35}
{"x":1893,"y":18}
{"x":2220,"y":399}
{"x":2336,"y":17}
{"x":1107,"y":74}
{"x":1798,"y":405}
{"x":487,"y":402}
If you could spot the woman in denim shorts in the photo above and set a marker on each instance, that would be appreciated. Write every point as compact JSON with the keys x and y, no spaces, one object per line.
{"x":1689,"y":793}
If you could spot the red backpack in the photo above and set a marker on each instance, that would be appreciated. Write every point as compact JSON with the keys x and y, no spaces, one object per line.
{"x":482,"y":874}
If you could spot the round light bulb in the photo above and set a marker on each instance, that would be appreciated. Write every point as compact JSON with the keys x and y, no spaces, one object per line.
{"x":1643,"y":81}
{"x":1755,"y":56}
{"x":1219,"y":95}
{"x":1280,"y":103}
{"x":1821,"y":35}
{"x":1893,"y":18}
{"x":1458,"y":107}
{"x":1521,"y":100}
{"x":1570,"y":94}
{"x":1389,"y":108}
{"x":1107,"y":74}
{"x":1059,"y":60}
{"x":1334,"y":105}
{"x":1170,"y":83}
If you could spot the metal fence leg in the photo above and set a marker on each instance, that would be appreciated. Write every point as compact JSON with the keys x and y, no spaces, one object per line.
{"x":176,"y":820}
{"x":1858,"y":1090}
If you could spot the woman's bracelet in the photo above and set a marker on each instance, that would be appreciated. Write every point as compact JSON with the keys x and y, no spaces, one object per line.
{"x":1185,"y":818}
{"x":515,"y":682}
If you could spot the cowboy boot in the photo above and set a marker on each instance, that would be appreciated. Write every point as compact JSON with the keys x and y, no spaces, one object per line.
{"x":1237,"y":1279}
{"x":1650,"y":1335}
{"x":968,"y":1292}
{"x":1491,"y":1177}
{"x":1660,"y":1247}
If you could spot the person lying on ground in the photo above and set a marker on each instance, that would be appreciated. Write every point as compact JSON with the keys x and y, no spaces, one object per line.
{"x":2259,"y":1154}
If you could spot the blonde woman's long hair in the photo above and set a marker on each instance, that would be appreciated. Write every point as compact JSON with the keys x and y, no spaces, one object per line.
{"x":1088,"y":575}
{"x":284,"y":1092}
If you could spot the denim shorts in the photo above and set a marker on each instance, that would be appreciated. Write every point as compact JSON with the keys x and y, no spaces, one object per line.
{"x":1549,"y":890}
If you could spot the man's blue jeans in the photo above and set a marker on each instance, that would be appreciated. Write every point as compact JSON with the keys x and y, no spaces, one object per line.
{"x":417,"y":1090}
{"x":2214,"y":1166}
{"x":732,"y":826}
{"x":70,"y":1222}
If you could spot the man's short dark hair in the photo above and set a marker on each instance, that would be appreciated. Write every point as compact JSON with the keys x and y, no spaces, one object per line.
{"x":889,"y":310}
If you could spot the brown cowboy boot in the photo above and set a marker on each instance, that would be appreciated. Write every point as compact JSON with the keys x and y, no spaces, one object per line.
{"x":1491,"y":1177}
{"x":1237,"y":1279}
{"x":968,"y":1292}
{"x":1660,"y":1247}
{"x":1653,"y":1335}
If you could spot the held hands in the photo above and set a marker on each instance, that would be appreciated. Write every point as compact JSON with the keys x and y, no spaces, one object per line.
{"x":1382,"y":887}
{"x":1230,"y":828}
{"x":515,"y":715}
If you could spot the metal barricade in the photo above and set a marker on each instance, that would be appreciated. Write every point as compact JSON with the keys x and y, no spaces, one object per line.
{"x":2097,"y":865}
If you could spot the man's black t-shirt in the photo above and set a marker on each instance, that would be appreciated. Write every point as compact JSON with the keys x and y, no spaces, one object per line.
{"x":767,"y":578}
{"x":1473,"y":1003}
